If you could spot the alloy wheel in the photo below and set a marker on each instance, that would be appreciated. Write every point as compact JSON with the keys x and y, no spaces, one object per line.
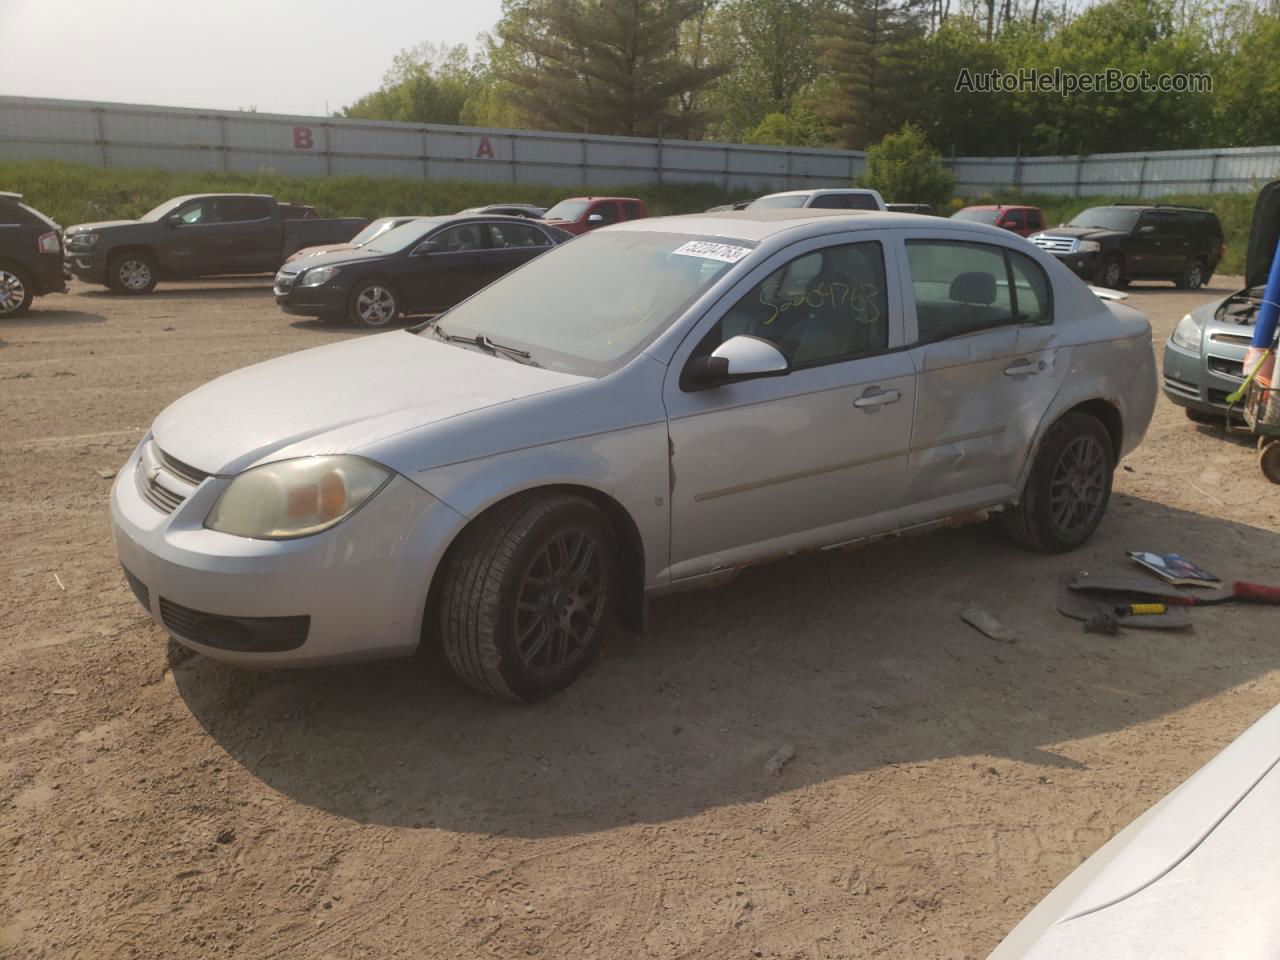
{"x":1078,"y":487}
{"x":560,"y":603}
{"x":12,"y":292}
{"x":135,"y":275}
{"x":1195,"y":276}
{"x":376,"y":306}
{"x":1111,"y":276}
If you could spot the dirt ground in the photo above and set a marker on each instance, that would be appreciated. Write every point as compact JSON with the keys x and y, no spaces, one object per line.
{"x":163,"y":806}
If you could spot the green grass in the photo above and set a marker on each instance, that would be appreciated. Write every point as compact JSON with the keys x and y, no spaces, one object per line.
{"x":77,"y":194}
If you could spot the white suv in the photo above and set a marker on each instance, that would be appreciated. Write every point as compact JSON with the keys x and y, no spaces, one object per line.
{"x":835,"y":199}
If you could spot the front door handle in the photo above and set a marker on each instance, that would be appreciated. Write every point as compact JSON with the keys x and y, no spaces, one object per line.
{"x":873,"y":398}
{"x":1024,"y":368}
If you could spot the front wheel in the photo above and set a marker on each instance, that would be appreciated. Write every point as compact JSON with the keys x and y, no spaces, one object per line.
{"x":16,"y":292}
{"x":1111,"y":273}
{"x":528,"y":595}
{"x":1068,"y":489}
{"x":373,"y":305}
{"x":132,"y":273}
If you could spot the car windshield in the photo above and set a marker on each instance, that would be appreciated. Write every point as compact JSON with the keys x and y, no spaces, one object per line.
{"x":588,"y":306}
{"x":404,"y":236}
{"x":778,"y":201}
{"x":566,"y":210}
{"x":156,"y":213}
{"x":373,"y":231}
{"x":977,"y":216}
{"x":1106,"y":218}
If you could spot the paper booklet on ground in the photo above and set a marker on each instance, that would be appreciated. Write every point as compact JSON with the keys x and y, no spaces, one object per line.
{"x":1175,"y":569}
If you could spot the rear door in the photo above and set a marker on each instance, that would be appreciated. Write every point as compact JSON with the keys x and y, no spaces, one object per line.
{"x":987,"y":370}
{"x":254,"y":233}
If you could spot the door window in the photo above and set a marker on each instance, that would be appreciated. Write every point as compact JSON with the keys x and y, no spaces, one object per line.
{"x":609,"y":211}
{"x":1015,"y":220}
{"x":961,"y":288}
{"x":821,"y":307}
{"x":632,"y":210}
{"x":241,"y":209}
{"x":515,"y":235}
{"x":460,"y":239}
{"x":200,"y":211}
{"x":1035,"y":220}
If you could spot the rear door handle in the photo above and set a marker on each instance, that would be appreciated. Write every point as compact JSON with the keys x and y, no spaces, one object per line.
{"x":873,"y":398}
{"x":1024,"y":368}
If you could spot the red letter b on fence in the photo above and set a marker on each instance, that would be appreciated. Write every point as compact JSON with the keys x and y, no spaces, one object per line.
{"x":303,"y":139}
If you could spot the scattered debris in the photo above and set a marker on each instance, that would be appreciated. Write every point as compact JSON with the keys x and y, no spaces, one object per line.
{"x":984,"y":622}
{"x":58,"y":581}
{"x":107,"y":474}
{"x":65,"y":692}
{"x":225,"y":836}
{"x":781,"y":757}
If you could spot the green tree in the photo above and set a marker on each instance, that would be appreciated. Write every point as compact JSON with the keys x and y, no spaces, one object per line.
{"x":799,"y":128}
{"x":1246,"y":94}
{"x":426,"y":84}
{"x":604,"y":66}
{"x":905,"y":169}
{"x":866,"y":45}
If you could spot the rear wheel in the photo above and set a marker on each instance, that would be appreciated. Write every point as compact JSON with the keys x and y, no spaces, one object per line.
{"x":373,"y":305}
{"x":1067,"y":492}
{"x":16,"y":292}
{"x":1269,"y":457}
{"x":528,"y":595}
{"x":1192,"y":276}
{"x":132,"y":273}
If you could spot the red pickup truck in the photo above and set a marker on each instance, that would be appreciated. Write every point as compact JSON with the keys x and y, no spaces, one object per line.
{"x":577,"y":215}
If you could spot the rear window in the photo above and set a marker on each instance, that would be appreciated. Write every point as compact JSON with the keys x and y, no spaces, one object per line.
{"x":844,"y":201}
{"x":235,"y":209}
{"x":14,"y":211}
{"x":779,"y":201}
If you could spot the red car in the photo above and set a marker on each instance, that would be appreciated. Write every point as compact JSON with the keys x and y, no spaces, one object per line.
{"x":577,"y":215}
{"x":1023,"y":221}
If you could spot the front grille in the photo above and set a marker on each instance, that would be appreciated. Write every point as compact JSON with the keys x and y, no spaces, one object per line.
{"x":139,"y":589}
{"x":1174,"y":385}
{"x":1227,"y":368}
{"x":243,"y":634}
{"x":1055,"y":244}
{"x":181,"y":470}
{"x":1231,"y":338}
{"x":163,"y":499}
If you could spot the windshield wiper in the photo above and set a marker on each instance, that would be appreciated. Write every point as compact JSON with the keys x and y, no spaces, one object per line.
{"x":484,"y":343}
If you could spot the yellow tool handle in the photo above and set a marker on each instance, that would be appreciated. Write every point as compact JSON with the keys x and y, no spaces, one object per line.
{"x":1143,"y":609}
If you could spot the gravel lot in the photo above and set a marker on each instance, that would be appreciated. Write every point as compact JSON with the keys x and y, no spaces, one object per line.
{"x":159,"y":805}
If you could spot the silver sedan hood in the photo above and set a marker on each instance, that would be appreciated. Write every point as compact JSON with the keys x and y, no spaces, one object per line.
{"x":386,"y":384}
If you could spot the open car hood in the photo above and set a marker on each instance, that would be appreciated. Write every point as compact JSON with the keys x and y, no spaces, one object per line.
{"x":1263,"y":235}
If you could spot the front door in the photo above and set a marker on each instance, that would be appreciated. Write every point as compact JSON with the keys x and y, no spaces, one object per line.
{"x":765,"y":467}
{"x":446,"y":268}
{"x":200,"y":243}
{"x":1155,"y":250}
{"x":988,"y":368}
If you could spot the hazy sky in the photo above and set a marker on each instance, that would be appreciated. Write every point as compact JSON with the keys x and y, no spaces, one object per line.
{"x":280,"y":57}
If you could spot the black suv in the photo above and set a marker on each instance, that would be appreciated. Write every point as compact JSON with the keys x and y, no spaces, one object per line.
{"x":30,"y":256}
{"x":1110,"y":246}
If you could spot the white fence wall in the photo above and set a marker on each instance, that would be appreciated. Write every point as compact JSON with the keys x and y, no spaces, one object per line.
{"x":171,"y":138}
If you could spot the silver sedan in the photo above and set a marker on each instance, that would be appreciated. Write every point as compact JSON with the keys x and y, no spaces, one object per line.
{"x":656,"y":405}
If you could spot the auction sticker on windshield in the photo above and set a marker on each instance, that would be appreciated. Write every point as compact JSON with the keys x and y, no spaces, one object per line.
{"x":712,"y":251}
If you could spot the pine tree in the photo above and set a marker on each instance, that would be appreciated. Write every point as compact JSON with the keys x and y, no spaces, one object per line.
{"x":601,"y":66}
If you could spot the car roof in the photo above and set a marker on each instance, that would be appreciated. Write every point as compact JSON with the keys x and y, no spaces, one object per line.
{"x":635,"y":199}
{"x":759,"y":224}
{"x":256,"y":196}
{"x":816,"y":190}
{"x":998,"y":206}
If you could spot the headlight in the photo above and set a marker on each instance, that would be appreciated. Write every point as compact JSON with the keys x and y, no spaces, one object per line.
{"x":82,"y":240}
{"x":1088,"y":246}
{"x":1187,"y":333}
{"x":317,"y":276}
{"x":295,"y":498}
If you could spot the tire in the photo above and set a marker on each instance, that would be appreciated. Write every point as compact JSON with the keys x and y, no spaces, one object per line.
{"x":16,"y":292}
{"x":373,"y":305}
{"x":514,"y":620}
{"x":1110,"y":273}
{"x":1269,"y":458}
{"x":1068,"y":489}
{"x":1192,"y":276}
{"x":132,"y":273}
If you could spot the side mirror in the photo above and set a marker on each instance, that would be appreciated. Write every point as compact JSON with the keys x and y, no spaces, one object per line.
{"x":1147,"y":228}
{"x":738,"y":358}
{"x":596,"y":218}
{"x":174,"y":220}
{"x":425,"y":247}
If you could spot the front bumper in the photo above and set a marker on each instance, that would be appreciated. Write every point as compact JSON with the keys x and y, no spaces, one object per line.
{"x":1202,"y":381}
{"x":89,"y":266}
{"x":356,"y":591}
{"x":323,"y":301}
{"x":1083,"y":265}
